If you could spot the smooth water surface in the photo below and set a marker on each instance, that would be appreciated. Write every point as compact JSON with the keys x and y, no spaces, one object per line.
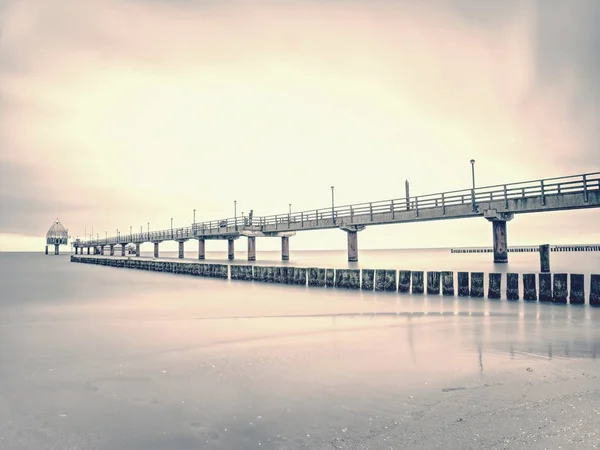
{"x":104,"y":358}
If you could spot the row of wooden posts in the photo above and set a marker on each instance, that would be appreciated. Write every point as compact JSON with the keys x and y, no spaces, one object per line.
{"x":545,"y":287}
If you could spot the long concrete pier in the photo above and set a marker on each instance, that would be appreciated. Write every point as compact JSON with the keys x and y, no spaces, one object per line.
{"x":497,"y":204}
{"x":552,"y":287}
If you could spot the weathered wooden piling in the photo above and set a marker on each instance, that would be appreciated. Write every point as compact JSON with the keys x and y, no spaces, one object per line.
{"x":417,"y":282}
{"x":316,"y":277}
{"x":529,"y":287}
{"x":463,"y":284}
{"x":595,"y":290}
{"x":447,"y":283}
{"x":300,"y":276}
{"x":545,"y":258}
{"x":385,"y":280}
{"x":545,"y":285}
{"x":347,"y":278}
{"x":476,"y":284}
{"x":368,"y":278}
{"x":494,"y":285}
{"x":560,"y":288}
{"x":577,"y":295}
{"x":433,"y":283}
{"x":329,"y":277}
{"x":404,"y":281}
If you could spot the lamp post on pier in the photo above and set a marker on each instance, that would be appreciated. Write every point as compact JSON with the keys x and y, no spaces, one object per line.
{"x":130,"y":233}
{"x":473,"y":188}
{"x":148,"y":230}
{"x":333,"y":204}
{"x":235,"y":214}
{"x":171,"y":228}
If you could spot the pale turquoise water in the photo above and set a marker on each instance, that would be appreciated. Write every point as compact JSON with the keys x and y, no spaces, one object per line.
{"x":104,"y":358}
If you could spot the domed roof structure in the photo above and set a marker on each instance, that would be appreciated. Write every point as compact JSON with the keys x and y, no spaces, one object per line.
{"x":57,"y":234}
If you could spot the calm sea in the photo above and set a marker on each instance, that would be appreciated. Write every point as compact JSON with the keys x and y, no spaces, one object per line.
{"x":104,"y":358}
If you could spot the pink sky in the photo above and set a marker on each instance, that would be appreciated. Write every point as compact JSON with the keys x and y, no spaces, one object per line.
{"x":119,"y":113}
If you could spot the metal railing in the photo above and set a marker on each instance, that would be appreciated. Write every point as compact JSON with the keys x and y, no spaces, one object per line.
{"x":332,"y":216}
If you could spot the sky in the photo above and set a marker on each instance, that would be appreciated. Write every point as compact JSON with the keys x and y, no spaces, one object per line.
{"x":117,"y":113}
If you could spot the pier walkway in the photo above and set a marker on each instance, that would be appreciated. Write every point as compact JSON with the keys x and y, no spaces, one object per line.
{"x":498,"y":204}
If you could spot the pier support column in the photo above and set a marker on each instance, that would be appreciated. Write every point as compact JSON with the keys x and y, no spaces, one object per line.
{"x":137,"y":250}
{"x":285,"y":248}
{"x":47,"y":249}
{"x":102,"y":250}
{"x":56,"y":247}
{"x":123,"y":249}
{"x":181,"y":249}
{"x":230,"y":249}
{"x":201,"y":249}
{"x":251,"y":248}
{"x":499,"y":234}
{"x":352,"y":232}
{"x":156,"y":249}
{"x":88,"y":250}
{"x":112,"y":250}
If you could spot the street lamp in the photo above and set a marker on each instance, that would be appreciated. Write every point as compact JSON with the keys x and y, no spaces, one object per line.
{"x":148,"y":230}
{"x":235,"y":214}
{"x":473,"y":188}
{"x":290,"y":209}
{"x":105,"y":236}
{"x":194,"y":217}
{"x":171,"y":228}
{"x":332,"y":204}
{"x":130,"y":231}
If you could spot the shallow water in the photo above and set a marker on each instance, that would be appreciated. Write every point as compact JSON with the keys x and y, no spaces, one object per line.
{"x":100,"y":358}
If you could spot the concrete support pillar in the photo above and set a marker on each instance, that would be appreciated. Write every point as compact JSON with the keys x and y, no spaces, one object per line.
{"x":285,"y":248}
{"x":102,"y":250}
{"x":251,"y":248}
{"x":123,"y":249}
{"x":545,"y":258}
{"x":112,"y":250}
{"x":88,"y":250}
{"x":137,"y":250}
{"x":352,"y":246}
{"x":156,"y":249}
{"x":230,"y":249}
{"x":500,"y":241}
{"x":181,"y":244}
{"x":47,"y":249}
{"x":56,"y":247}
{"x":201,"y":249}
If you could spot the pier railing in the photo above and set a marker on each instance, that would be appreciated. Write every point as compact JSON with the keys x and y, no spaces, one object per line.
{"x":543,"y":188}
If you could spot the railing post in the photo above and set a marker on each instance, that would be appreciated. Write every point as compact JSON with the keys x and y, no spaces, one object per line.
{"x":443,"y":205}
{"x":585,"y":192}
{"x":417,"y":205}
{"x":543,"y":193}
{"x":473,"y":199}
{"x":371,"y":210}
{"x":393,"y":212}
{"x":302,"y":219}
{"x":505,"y":198}
{"x":351,"y":214}
{"x":317,"y":216}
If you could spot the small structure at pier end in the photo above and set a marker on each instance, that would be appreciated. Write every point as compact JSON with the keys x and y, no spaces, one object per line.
{"x":57,"y":235}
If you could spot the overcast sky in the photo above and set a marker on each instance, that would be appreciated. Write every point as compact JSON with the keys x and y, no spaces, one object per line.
{"x":122,"y":112}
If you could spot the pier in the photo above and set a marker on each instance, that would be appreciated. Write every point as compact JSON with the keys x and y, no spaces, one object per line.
{"x":531,"y":249}
{"x":497,"y":204}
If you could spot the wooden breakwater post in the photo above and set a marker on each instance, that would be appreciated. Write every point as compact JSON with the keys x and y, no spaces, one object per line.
{"x":417,"y":282}
{"x":386,"y":280}
{"x":494,"y":285}
{"x":433,"y":283}
{"x":529,"y":288}
{"x":463,"y":284}
{"x":316,"y":277}
{"x":330,"y":277}
{"x":447,"y":283}
{"x":595,"y":290}
{"x":512,"y":286}
{"x":368,"y":280}
{"x":545,"y":258}
{"x":476,"y":284}
{"x":559,"y":294}
{"x":577,"y":295}
{"x":545,"y":284}
{"x":404,"y":281}
{"x":347,"y":278}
